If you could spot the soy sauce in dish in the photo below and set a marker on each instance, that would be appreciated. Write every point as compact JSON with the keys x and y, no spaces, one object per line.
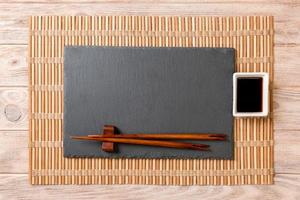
{"x":249,"y":94}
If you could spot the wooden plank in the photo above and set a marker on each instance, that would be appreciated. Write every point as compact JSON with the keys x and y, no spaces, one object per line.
{"x":287,"y":109}
{"x":287,"y":155}
{"x":287,"y":73}
{"x":15,"y":186}
{"x":14,"y":31}
{"x":147,"y":1}
{"x":14,"y":108}
{"x":14,"y":26}
{"x":14,"y":151}
{"x":13,"y":66}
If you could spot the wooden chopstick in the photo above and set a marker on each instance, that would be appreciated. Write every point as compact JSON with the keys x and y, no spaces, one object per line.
{"x":169,"y":144}
{"x":166,"y":136}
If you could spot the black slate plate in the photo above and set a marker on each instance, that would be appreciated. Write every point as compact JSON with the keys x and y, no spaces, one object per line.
{"x":148,"y":90}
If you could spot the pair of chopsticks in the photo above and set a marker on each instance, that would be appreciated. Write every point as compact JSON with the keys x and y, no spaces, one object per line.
{"x":160,"y":140}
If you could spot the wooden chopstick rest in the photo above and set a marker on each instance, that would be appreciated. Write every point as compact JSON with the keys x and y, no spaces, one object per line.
{"x":109,"y":137}
{"x":108,"y":131}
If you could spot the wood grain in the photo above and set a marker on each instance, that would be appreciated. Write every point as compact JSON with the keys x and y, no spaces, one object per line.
{"x":13,"y":108}
{"x":13,"y":66}
{"x":147,"y":1}
{"x":13,"y":152}
{"x":15,"y":186}
{"x":287,"y":155}
{"x":287,"y":71}
{"x":15,"y":27}
{"x":14,"y":30}
{"x":287,"y":108}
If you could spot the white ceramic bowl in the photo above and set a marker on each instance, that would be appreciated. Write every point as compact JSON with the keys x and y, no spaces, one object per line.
{"x":265,"y":94}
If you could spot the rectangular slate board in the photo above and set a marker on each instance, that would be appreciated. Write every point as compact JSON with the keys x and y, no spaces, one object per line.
{"x":148,"y":90}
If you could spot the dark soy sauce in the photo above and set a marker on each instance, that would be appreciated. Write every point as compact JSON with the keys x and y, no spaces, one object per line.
{"x":249,"y":94}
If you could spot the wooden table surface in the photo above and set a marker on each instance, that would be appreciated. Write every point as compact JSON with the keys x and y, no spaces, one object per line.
{"x":14,"y":14}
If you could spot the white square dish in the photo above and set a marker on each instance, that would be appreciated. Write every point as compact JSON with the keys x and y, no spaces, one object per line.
{"x":265,"y":94}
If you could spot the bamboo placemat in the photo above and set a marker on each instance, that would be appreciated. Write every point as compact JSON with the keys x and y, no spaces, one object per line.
{"x":252,"y":37}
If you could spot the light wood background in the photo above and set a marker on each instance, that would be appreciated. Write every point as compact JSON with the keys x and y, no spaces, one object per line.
{"x":14,"y":14}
